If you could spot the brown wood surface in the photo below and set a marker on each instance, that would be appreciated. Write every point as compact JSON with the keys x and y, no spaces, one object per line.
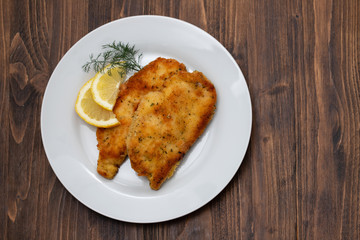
{"x":300,"y":176}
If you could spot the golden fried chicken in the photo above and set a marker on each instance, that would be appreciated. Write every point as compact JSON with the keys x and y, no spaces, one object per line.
{"x":166,"y":124}
{"x":112,"y":141}
{"x":112,"y":150}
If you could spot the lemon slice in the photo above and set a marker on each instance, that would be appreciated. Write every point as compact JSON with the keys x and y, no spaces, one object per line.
{"x":91,"y":112}
{"x":105,"y":87}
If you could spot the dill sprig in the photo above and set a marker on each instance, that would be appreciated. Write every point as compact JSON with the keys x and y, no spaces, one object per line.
{"x":117,"y":55}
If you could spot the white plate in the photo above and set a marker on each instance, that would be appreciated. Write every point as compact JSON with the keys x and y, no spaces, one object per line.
{"x":70,"y":144}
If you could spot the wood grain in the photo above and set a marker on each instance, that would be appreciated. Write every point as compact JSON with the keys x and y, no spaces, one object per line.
{"x":300,"y":176}
{"x":328,"y":126}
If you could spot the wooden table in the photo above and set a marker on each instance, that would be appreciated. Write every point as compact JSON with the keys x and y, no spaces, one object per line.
{"x":300,"y":176}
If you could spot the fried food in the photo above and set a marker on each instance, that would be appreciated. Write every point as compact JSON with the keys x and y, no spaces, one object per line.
{"x":112,"y":141}
{"x":166,"y":124}
{"x":112,"y":151}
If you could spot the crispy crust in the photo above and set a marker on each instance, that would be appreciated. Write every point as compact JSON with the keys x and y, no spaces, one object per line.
{"x":150,"y":78}
{"x":156,"y":137}
{"x":112,"y":141}
{"x":167,"y":123}
{"x":112,"y":151}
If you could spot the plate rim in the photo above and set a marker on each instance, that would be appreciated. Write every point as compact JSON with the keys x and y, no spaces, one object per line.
{"x":241,"y":158}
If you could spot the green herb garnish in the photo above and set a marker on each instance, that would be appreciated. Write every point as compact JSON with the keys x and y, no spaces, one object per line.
{"x":117,"y":55}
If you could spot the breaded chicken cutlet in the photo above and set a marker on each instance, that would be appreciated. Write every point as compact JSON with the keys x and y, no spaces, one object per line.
{"x":112,"y":141}
{"x":167,"y":123}
{"x":112,"y":150}
{"x":162,"y":110}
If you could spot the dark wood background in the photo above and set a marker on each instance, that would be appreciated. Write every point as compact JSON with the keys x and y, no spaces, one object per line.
{"x":300,"y":176}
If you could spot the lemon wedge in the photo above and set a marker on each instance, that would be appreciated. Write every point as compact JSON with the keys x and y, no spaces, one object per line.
{"x":91,"y":112}
{"x":105,"y":86}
